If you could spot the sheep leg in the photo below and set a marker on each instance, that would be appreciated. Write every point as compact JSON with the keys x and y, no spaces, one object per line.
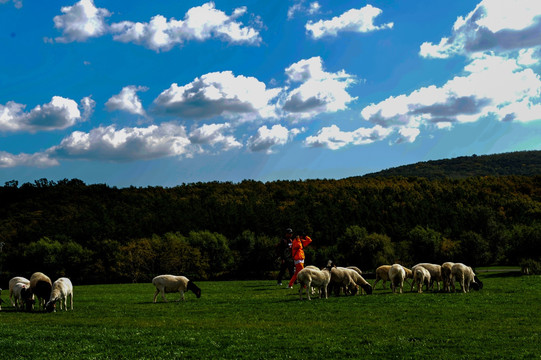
{"x":156,"y":295}
{"x":181,"y":296}
{"x":71,"y":301}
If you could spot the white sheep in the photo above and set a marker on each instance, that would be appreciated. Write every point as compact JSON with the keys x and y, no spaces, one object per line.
{"x":435,"y":274}
{"x":359,"y":280}
{"x":62,"y":289}
{"x":23,"y":296}
{"x":312,"y":276}
{"x":446,"y":275}
{"x":41,"y":286}
{"x":466,"y":277}
{"x":397,"y":275}
{"x":341,"y":279}
{"x":382,"y":273}
{"x":172,"y":283}
{"x":421,"y":276}
{"x":12,"y":282}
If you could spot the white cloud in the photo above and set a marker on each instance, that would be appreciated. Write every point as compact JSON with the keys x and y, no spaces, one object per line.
{"x":126,"y":144}
{"x":218,"y":94}
{"x":493,"y":25}
{"x":215,"y":136}
{"x":17,"y":3}
{"x":127,"y":100}
{"x":268,"y":139}
{"x":354,"y":20}
{"x":81,"y":21}
{"x":60,"y":113}
{"x":491,"y":85}
{"x":319,"y":92}
{"x":299,"y":7}
{"x":333,"y":138}
{"x":407,"y":135}
{"x":200,"y":23}
{"x":39,"y":160}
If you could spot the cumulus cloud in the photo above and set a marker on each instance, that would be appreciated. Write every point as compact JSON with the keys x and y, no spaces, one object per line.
{"x":59,"y":113}
{"x":319,"y":92}
{"x":200,"y":23}
{"x":127,"y":100}
{"x":39,"y":160}
{"x":333,"y":138}
{"x":218,"y":94}
{"x":81,"y":21}
{"x":126,"y":144}
{"x":354,"y":20}
{"x":300,"y":7}
{"x":492,"y":25}
{"x":214,"y":135}
{"x":491,"y":85}
{"x":266,"y":140}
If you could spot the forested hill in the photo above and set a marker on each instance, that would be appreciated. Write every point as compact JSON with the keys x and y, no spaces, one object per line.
{"x":516,"y":163}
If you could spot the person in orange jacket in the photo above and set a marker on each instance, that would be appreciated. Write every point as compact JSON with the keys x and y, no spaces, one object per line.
{"x":297,"y":251}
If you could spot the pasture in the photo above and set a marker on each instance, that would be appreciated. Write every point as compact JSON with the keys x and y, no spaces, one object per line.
{"x":260,"y":320}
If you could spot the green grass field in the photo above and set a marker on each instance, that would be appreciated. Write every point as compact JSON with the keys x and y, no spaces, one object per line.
{"x":259,"y":320}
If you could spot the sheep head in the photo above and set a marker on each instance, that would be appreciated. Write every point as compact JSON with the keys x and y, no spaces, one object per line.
{"x":193,"y":288}
{"x":50,"y":306}
{"x":368,"y":288}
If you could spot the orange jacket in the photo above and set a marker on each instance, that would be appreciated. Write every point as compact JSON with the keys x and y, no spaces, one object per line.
{"x":297,"y":247}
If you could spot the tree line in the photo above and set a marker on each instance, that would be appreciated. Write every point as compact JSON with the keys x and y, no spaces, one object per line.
{"x":97,"y":233}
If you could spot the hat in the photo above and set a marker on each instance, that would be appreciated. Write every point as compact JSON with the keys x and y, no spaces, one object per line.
{"x":289,"y":231}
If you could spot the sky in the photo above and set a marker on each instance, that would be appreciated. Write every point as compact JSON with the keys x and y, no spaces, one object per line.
{"x":166,"y":92}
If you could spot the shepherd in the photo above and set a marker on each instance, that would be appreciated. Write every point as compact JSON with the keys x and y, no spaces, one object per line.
{"x":297,"y":252}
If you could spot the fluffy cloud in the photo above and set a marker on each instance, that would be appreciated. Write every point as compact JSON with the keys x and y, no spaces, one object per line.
{"x":84,"y":20}
{"x":215,"y":136}
{"x":494,"y":85}
{"x":492,"y":25}
{"x":200,"y":23}
{"x":354,"y":20}
{"x":126,"y":144}
{"x":333,"y":138}
{"x":319,"y":92}
{"x":267,"y":139}
{"x":127,"y":100}
{"x":218,"y":94}
{"x":81,"y":21}
{"x":8,"y":160}
{"x":299,"y":7}
{"x":59,"y":113}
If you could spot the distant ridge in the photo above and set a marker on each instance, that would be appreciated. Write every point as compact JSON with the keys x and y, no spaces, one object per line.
{"x":526,"y":163}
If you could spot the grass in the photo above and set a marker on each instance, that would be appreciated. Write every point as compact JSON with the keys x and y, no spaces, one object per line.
{"x":259,"y":320}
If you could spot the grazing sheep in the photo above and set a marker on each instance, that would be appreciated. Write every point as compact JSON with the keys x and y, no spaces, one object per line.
{"x":397,"y":275}
{"x":62,"y":288}
{"x":312,"y":276}
{"x":435,"y":274}
{"x":341,"y":279}
{"x":23,"y":296}
{"x":382,"y":273}
{"x":466,"y":277}
{"x":421,"y":276}
{"x":446,"y":275}
{"x":12,"y":282}
{"x":359,"y":280}
{"x":41,"y":285}
{"x":171,"y":283}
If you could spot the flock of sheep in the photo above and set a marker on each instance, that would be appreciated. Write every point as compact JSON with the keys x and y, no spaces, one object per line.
{"x":22,"y":292}
{"x":350,"y":279}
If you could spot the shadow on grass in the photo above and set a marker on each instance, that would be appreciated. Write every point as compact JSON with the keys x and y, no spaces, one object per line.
{"x":507,"y":274}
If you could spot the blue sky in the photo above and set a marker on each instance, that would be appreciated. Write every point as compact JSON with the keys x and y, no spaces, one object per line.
{"x":170,"y":92}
